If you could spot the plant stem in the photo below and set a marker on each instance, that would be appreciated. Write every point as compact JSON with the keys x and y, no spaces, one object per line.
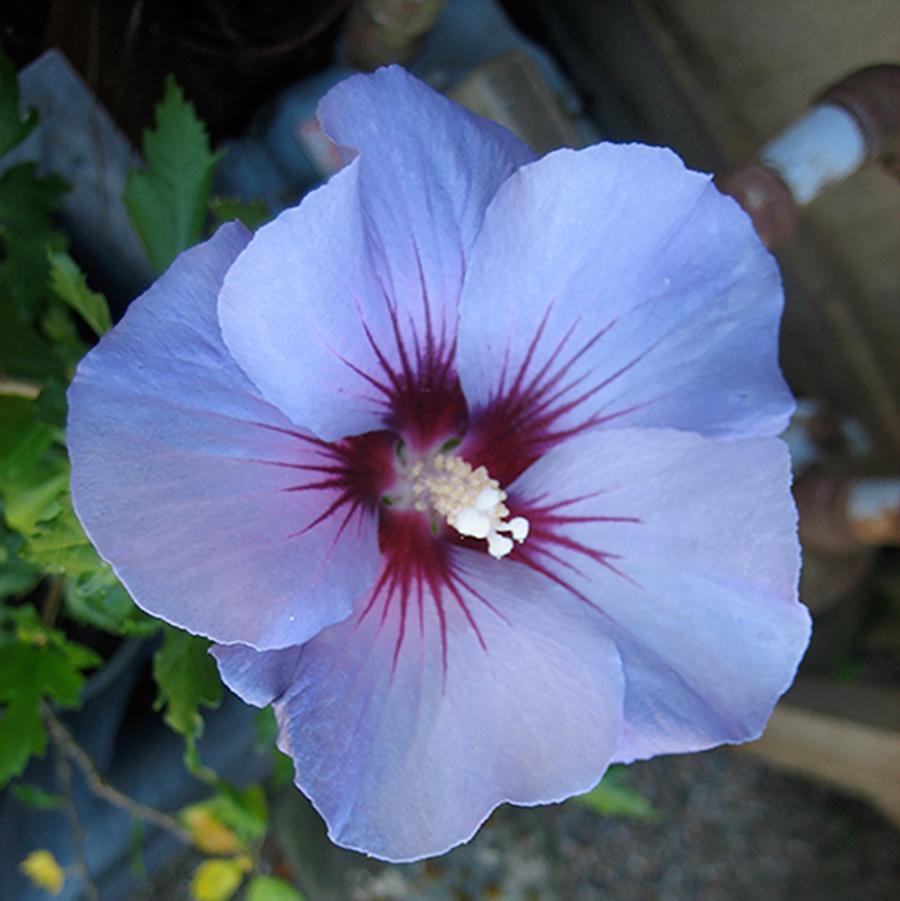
{"x":52,"y":601}
{"x":64,"y":779}
{"x":63,"y":739}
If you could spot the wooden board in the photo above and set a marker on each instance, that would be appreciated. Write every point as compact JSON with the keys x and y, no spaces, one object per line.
{"x":845,"y":735}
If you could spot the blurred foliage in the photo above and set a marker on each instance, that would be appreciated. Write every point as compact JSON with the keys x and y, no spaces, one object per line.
{"x":27,"y":203}
{"x":253,"y":215}
{"x":219,"y":879}
{"x":612,"y":797}
{"x":43,"y":870}
{"x":208,"y":833}
{"x":35,"y":796}
{"x":231,"y":820}
{"x":268,"y":888}
{"x":68,"y":283}
{"x":167,"y":201}
{"x":187,"y":679}
{"x":37,"y":665}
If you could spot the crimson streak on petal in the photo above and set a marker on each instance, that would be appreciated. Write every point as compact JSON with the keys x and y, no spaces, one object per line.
{"x":521,"y":421}
{"x":356,"y":472}
{"x":418,"y":568}
{"x":551,"y":550}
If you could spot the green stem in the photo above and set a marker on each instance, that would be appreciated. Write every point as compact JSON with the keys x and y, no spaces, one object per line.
{"x":52,"y":601}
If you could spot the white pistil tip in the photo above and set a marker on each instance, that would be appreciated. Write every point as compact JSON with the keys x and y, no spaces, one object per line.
{"x":472,"y":522}
{"x":519,"y":528}
{"x":499,"y":545}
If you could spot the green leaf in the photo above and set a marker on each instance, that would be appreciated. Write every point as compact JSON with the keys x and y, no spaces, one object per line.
{"x":58,"y":542}
{"x":244,"y":811}
{"x":58,"y":325}
{"x":218,"y":880}
{"x":35,"y":796}
{"x":69,"y":284}
{"x":24,"y":269}
{"x":195,"y":766}
{"x":266,"y":729}
{"x":136,"y":849}
{"x":24,"y":353}
{"x":34,"y":483}
{"x":14,"y":127}
{"x":227,"y":209}
{"x":22,"y":734}
{"x":31,"y":671}
{"x":166,"y":201}
{"x":613,"y":798}
{"x":32,"y":499}
{"x":282,"y":771}
{"x":24,"y":438}
{"x":268,"y":888}
{"x":29,"y":629}
{"x":99,"y":599}
{"x":81,"y":656}
{"x":51,"y":406}
{"x":187,"y":679}
{"x":27,"y":202}
{"x":17,"y":577}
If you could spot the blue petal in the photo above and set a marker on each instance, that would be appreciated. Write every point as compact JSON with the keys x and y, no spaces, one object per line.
{"x":357,"y":288}
{"x":187,"y":481}
{"x":404,"y":752}
{"x":688,"y":548}
{"x":623,"y":289}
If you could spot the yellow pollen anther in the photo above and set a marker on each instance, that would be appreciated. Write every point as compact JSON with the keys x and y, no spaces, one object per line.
{"x":468,"y":499}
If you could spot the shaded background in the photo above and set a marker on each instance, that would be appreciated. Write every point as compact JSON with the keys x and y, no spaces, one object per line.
{"x":715,"y":81}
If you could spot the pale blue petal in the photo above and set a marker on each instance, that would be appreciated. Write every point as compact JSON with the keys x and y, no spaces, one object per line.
{"x":187,"y":481}
{"x":357,"y":288}
{"x":405,"y":756}
{"x":259,"y":677}
{"x":622,"y":289}
{"x":688,"y":548}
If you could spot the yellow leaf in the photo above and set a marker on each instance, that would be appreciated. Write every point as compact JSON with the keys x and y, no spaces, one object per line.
{"x":217,"y":880}
{"x":43,"y":870}
{"x":210,"y":835}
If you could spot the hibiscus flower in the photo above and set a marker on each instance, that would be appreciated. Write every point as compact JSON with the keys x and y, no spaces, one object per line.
{"x":467,"y":464}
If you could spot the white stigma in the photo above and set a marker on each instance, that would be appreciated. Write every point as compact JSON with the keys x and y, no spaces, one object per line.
{"x":469,"y":500}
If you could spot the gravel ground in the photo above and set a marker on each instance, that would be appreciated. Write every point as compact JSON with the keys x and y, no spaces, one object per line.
{"x":728,"y":827}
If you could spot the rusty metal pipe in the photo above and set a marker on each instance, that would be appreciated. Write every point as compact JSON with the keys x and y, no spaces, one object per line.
{"x":872,"y":97}
{"x":854,"y":122}
{"x":873,"y":510}
{"x":841,"y":512}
